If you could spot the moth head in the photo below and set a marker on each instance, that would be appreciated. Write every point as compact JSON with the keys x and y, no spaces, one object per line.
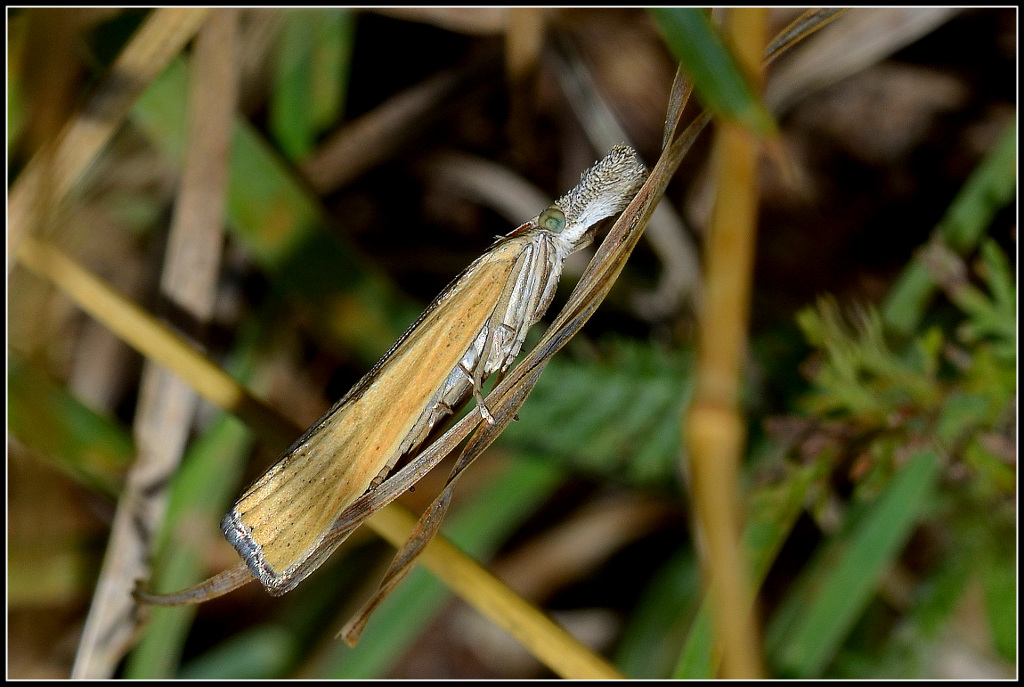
{"x":604,"y":190}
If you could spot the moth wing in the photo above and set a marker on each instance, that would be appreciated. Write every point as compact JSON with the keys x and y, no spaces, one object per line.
{"x":281,"y":519}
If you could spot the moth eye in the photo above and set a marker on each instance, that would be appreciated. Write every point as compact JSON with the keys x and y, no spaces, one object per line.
{"x":553,"y":219}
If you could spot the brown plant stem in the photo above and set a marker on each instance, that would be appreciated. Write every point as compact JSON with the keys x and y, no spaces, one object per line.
{"x":714,"y":425}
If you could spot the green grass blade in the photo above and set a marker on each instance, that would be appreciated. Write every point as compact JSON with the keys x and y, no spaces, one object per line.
{"x":93,"y":449}
{"x":817,"y":616}
{"x":696,"y":661}
{"x":999,"y":277}
{"x":720,"y":84}
{"x":290,"y":118}
{"x":1000,"y":583}
{"x":990,"y":188}
{"x":649,"y":646}
{"x":311,"y":77}
{"x":201,"y":493}
{"x":255,"y":654}
{"x":332,"y":60}
{"x":773,"y":514}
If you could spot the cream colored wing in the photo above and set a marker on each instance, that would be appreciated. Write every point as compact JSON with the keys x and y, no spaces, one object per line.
{"x":279,"y":522}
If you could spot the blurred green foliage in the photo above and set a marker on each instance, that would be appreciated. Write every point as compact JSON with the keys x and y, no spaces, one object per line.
{"x":616,"y":415}
{"x":922,"y":425}
{"x":921,"y":435}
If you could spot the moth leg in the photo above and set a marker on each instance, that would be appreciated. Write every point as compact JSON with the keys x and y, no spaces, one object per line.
{"x":476,"y":392}
{"x":499,"y":349}
{"x":441,"y":410}
{"x":382,"y":475}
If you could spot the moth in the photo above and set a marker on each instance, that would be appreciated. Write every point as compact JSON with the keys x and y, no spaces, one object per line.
{"x":473,"y":329}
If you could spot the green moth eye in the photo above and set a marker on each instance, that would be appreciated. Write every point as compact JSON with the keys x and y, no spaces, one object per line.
{"x":553,"y":219}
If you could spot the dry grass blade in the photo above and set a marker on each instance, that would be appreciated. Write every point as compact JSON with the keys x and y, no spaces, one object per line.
{"x":714,"y":427}
{"x":799,"y":29}
{"x":488,"y":183}
{"x":680,"y":279}
{"x":862,"y":38}
{"x":166,"y":402}
{"x":54,"y":170}
{"x":676,"y":104}
{"x":377,"y":135}
{"x":576,"y":547}
{"x":531,"y":627}
{"x":431,"y":520}
{"x":153,"y":339}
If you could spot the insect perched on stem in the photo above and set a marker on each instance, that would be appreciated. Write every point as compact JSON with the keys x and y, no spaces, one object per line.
{"x":282,"y":524}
